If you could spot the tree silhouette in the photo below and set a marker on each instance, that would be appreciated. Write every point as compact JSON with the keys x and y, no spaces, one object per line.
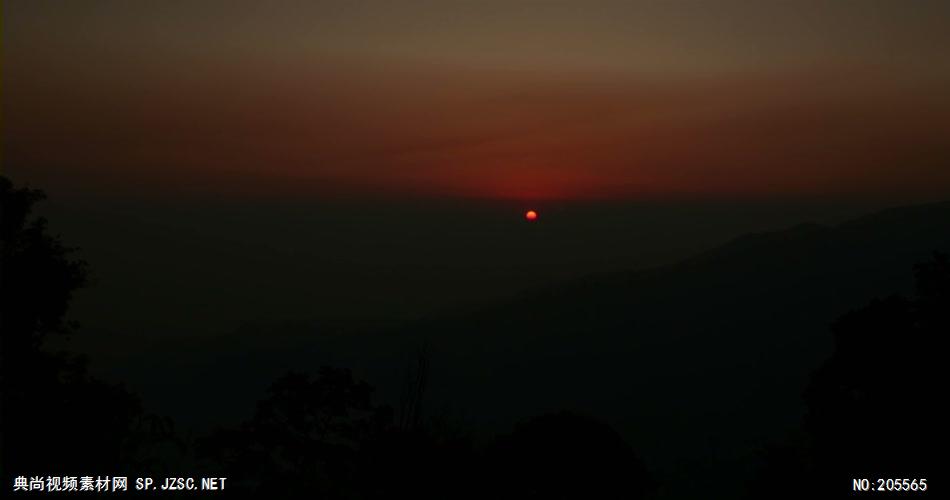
{"x":323,"y":436}
{"x":565,"y":455}
{"x":303,"y":438}
{"x":39,"y":273}
{"x":56,"y":419}
{"x":874,"y":409}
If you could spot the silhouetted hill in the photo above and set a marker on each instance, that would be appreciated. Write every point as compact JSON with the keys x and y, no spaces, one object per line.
{"x":696,"y":364}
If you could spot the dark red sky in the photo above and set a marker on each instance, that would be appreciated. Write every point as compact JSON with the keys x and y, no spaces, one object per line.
{"x":486,"y":99}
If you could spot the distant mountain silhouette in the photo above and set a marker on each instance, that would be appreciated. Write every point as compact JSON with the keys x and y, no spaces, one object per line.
{"x":710,"y":354}
{"x":697,"y":365}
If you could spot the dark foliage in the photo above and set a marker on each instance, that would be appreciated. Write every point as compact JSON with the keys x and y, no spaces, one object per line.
{"x":322,"y":437}
{"x":39,"y":273}
{"x":56,"y":418}
{"x":875,"y":408}
{"x":565,"y":455}
{"x":303,"y":438}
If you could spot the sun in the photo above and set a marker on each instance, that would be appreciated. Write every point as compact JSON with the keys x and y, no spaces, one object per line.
{"x":531,"y":215}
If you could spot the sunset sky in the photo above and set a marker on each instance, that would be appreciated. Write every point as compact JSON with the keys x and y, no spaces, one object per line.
{"x":486,"y":99}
